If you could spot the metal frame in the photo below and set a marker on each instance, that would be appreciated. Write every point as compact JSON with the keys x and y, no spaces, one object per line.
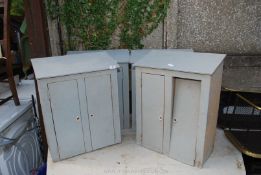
{"x":239,"y":146}
{"x":7,"y":53}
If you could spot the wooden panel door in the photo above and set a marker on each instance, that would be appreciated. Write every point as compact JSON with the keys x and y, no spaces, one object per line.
{"x":64,"y":99}
{"x":185,"y":120}
{"x":152,"y":111}
{"x":99,"y":100}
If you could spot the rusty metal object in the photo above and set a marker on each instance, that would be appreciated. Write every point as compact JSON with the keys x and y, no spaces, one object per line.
{"x":7,"y":51}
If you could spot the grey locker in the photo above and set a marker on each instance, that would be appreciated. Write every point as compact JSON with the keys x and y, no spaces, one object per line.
{"x":177,"y":97}
{"x":80,"y":104}
{"x":126,"y":78}
{"x":153,"y":111}
{"x":135,"y":56}
{"x":98,"y":92}
{"x":67,"y":117}
{"x":122,"y":57}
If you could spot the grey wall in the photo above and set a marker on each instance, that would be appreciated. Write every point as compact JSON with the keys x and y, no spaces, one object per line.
{"x":227,"y":26}
{"x":220,"y":26}
{"x":243,"y":73}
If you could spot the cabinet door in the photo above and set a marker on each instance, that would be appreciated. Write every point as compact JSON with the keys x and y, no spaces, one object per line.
{"x":185,"y":120}
{"x":64,"y":98}
{"x":99,"y":100}
{"x":152,"y":111}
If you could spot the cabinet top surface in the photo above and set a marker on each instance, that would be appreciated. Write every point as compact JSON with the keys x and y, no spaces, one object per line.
{"x":119,"y":55}
{"x":191,"y":62}
{"x":72,"y":64}
{"x":128,"y":56}
{"x":137,"y":55}
{"x":10,"y":113}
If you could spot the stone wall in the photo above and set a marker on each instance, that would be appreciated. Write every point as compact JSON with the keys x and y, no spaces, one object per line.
{"x":220,"y":26}
{"x":223,"y":26}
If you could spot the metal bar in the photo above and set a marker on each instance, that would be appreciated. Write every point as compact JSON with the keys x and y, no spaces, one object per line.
{"x":5,"y":100}
{"x":237,"y":90}
{"x":7,"y":51}
{"x":240,"y":147}
{"x":249,"y":102}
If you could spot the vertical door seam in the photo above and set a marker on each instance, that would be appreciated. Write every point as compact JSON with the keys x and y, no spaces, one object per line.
{"x":113,"y":114}
{"x":88,"y":114}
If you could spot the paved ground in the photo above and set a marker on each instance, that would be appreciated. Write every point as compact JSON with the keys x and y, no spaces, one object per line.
{"x":129,"y":158}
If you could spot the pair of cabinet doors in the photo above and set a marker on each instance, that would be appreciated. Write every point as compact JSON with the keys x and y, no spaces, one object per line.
{"x":181,"y":127}
{"x":82,"y":113}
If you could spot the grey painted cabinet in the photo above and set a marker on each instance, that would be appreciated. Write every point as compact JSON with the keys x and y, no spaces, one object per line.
{"x":79,"y":100}
{"x":137,"y":55}
{"x":126,"y":79}
{"x":122,"y":57}
{"x":177,"y":98}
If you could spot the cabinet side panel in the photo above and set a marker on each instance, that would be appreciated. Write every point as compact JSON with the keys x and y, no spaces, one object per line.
{"x":152,"y":111}
{"x":120,"y":94}
{"x":65,"y":106}
{"x":138,"y":104}
{"x":185,"y":120}
{"x":115,"y":106}
{"x":126,"y":96}
{"x":202,"y":120}
{"x":133,"y":98}
{"x":48,"y":120}
{"x":99,"y":101}
{"x":214,"y":97}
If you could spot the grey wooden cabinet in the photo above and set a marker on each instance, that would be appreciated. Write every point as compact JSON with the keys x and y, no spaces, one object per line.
{"x":126,"y":79}
{"x":79,"y":100}
{"x":177,"y":99}
{"x":137,"y":55}
{"x":122,"y":56}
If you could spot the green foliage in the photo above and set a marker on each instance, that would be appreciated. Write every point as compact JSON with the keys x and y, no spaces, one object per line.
{"x":17,"y":7}
{"x":90,"y":23}
{"x":140,"y":19}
